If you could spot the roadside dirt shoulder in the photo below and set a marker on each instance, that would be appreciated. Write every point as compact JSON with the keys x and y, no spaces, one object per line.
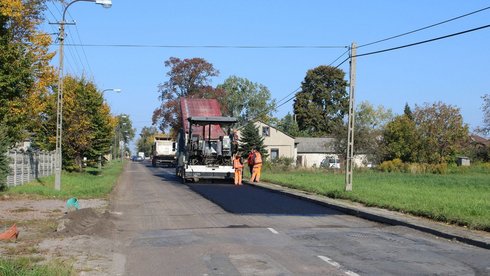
{"x":81,"y":239}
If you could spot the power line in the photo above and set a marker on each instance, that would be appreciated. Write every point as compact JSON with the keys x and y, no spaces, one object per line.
{"x":399,"y":47}
{"x":421,"y":42}
{"x":286,"y":101}
{"x":339,"y":57}
{"x":296,"y":90}
{"x":424,"y":28}
{"x":210,"y":46}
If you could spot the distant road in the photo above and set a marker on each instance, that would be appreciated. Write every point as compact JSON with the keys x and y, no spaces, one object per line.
{"x":168,"y":228}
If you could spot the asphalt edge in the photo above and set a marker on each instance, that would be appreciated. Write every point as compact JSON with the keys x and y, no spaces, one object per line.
{"x":372,"y":216}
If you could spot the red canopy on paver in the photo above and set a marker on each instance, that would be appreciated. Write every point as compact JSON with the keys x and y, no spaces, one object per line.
{"x":201,"y":108}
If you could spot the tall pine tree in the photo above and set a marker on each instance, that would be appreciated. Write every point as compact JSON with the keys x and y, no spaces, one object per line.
{"x":250,"y":138}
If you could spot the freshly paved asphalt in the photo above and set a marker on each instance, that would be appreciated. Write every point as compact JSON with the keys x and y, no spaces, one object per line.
{"x":167,"y":228}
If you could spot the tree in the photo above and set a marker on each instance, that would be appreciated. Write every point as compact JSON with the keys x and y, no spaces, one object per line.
{"x":187,"y":78}
{"x":323,"y":100}
{"x":289,"y":126}
{"x":25,"y":73}
{"x":485,"y":129}
{"x":400,"y":139}
{"x":408,"y":111}
{"x":88,"y":126}
{"x":368,"y":126}
{"x":250,"y":138}
{"x":440,"y":131}
{"x":4,"y":162}
{"x":145,"y":141}
{"x":246,"y":100}
{"x":123,"y":133}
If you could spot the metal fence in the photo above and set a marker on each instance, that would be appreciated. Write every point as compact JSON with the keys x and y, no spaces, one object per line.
{"x":28,"y":166}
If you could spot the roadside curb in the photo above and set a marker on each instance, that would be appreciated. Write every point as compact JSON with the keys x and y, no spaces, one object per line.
{"x":475,"y":238}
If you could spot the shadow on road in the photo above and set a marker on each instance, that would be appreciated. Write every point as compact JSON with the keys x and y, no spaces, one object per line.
{"x":250,"y":200}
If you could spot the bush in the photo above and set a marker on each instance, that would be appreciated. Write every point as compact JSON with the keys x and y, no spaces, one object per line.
{"x":4,"y":161}
{"x":397,"y":165}
{"x":281,"y":163}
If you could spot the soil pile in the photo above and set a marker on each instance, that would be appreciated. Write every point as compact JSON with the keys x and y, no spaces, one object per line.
{"x":86,"y":222}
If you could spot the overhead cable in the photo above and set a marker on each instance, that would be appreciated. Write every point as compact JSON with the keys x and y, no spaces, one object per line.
{"x":424,"y":28}
{"x":421,"y":42}
{"x":211,"y":46}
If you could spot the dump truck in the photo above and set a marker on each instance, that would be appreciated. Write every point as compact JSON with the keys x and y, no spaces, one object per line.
{"x":163,"y":151}
{"x":206,"y":142}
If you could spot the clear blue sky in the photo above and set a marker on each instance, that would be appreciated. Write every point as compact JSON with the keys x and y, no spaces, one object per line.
{"x":455,"y":71}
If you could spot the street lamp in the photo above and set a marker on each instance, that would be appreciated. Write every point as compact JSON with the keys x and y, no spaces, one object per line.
{"x":117,"y":90}
{"x":59,"y":103}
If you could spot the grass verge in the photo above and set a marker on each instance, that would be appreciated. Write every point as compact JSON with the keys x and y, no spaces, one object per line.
{"x":459,"y":197}
{"x":30,"y":267}
{"x":92,"y":183}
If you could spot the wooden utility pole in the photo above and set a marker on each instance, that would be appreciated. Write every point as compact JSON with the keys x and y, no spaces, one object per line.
{"x":350,"y":131}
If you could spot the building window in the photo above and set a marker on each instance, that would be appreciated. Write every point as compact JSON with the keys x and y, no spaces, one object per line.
{"x":274,"y":154}
{"x":266,"y":131}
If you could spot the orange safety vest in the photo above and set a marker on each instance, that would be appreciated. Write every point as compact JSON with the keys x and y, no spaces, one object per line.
{"x":257,"y":158}
{"x":237,"y":164}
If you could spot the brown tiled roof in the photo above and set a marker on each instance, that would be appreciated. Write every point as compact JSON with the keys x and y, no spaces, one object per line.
{"x":480,"y":140}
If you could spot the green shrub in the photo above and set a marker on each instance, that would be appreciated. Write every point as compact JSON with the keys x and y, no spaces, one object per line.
{"x":281,"y":163}
{"x":396,"y":165}
{"x":4,"y":161}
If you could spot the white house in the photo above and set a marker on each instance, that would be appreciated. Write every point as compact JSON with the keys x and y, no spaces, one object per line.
{"x":276,"y":142}
{"x":312,"y":151}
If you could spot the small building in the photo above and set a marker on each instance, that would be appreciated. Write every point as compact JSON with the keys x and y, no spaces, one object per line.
{"x":463,"y":161}
{"x":276,"y":142}
{"x":320,"y":152}
{"x":312,"y":151}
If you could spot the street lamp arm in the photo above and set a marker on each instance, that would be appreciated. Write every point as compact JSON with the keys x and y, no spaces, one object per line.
{"x":104,"y":3}
{"x":69,"y":4}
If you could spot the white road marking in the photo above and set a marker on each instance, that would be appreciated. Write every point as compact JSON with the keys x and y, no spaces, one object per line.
{"x":273,"y":231}
{"x":350,"y":273}
{"x":337,"y":265}
{"x":330,"y":261}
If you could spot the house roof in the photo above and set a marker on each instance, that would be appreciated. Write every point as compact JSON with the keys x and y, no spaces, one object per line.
{"x":314,"y":145}
{"x":480,"y":140}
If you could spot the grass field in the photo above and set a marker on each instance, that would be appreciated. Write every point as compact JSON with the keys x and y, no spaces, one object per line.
{"x":462,"y":196}
{"x":93,"y":183}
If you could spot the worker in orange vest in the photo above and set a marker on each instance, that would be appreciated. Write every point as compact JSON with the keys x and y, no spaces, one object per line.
{"x":238,"y":166}
{"x":250,"y":161}
{"x":257,"y":161}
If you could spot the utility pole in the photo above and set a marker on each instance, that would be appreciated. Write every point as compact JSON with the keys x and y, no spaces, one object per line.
{"x":59,"y":98}
{"x":350,"y":130}
{"x":59,"y":111}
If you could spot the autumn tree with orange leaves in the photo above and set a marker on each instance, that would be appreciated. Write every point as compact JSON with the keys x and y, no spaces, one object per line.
{"x":25,"y":73}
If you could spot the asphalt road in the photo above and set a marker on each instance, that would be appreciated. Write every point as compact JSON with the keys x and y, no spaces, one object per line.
{"x":168,"y":228}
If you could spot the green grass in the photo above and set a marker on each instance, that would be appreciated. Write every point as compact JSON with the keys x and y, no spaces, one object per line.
{"x":29,"y":267}
{"x":93,"y":183}
{"x":462,"y":196}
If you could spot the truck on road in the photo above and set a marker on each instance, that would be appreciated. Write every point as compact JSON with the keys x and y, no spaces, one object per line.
{"x":163,"y":151}
{"x":205,"y":143}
